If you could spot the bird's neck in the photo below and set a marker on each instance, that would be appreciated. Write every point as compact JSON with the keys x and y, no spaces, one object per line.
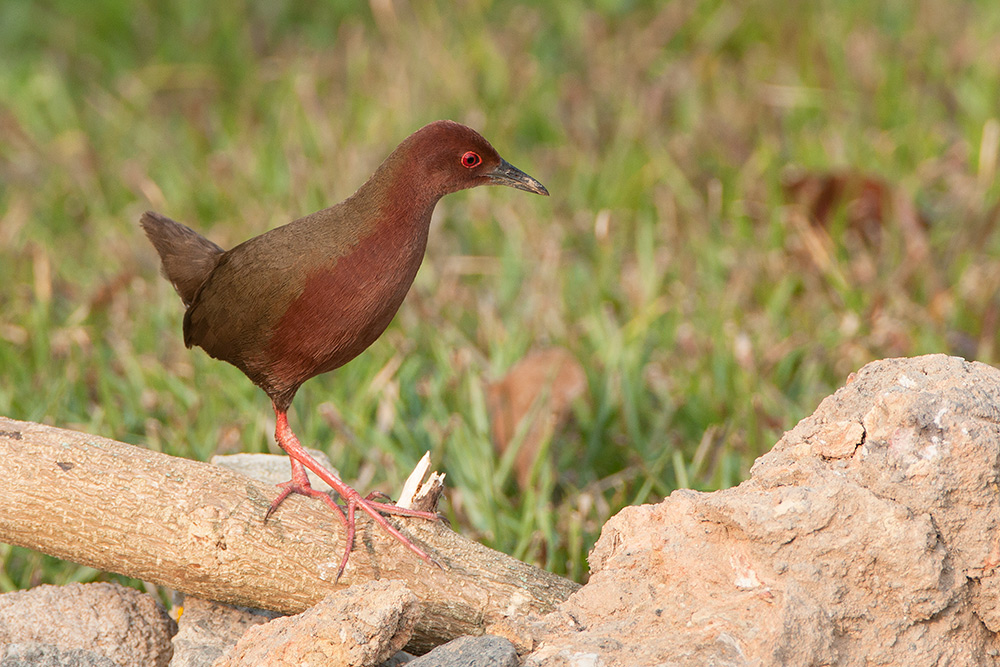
{"x":397,"y":203}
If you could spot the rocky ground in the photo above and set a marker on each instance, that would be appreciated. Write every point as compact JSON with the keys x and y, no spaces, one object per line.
{"x":866,"y":536}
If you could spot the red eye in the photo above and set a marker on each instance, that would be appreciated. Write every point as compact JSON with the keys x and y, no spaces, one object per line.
{"x":471,"y":160}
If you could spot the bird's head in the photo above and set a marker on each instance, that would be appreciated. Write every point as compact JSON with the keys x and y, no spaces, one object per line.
{"x":453,"y":157}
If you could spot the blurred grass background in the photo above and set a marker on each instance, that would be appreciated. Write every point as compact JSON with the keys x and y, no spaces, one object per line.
{"x":749,"y":201}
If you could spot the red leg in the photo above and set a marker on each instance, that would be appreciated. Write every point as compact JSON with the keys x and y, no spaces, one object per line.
{"x":300,"y":484}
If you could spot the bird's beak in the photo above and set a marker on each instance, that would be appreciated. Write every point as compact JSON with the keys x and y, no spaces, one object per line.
{"x":507,"y":174}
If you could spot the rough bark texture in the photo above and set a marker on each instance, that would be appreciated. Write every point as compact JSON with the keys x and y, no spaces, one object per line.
{"x":198,"y":528}
{"x":867,"y":536}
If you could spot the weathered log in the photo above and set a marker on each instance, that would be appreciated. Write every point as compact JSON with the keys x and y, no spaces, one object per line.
{"x":199,"y":529}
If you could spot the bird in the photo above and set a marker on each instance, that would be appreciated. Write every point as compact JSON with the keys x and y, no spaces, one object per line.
{"x":307,"y":297}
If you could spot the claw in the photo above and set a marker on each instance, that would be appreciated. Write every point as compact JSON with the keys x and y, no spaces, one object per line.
{"x":286,"y":490}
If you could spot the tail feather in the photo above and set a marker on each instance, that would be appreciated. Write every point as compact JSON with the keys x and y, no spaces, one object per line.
{"x":188,"y":257}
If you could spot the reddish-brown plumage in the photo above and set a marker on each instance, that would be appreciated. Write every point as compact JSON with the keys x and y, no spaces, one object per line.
{"x":344,"y":307}
{"x":308,"y":297}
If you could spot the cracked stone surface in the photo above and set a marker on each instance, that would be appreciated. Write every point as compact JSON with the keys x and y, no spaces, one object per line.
{"x":867,"y":536}
{"x":360,"y":626}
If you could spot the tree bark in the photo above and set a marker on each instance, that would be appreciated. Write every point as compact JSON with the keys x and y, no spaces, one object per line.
{"x":199,"y":529}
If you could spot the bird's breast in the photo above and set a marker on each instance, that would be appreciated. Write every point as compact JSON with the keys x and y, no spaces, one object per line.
{"x":344,"y":306}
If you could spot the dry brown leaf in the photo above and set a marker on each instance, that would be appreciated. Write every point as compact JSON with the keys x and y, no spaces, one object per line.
{"x":541,"y":387}
{"x":870,"y":203}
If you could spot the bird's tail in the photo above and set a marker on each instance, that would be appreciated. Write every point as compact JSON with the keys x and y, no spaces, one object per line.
{"x":188,"y":257}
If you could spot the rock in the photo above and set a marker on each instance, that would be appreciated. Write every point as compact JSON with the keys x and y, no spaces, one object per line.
{"x":398,"y":660}
{"x":839,"y":440}
{"x":868,"y":535}
{"x":518,"y":629}
{"x":122,"y":624}
{"x":47,"y":655}
{"x":360,"y":626}
{"x":484,"y":651}
{"x":206,"y":630}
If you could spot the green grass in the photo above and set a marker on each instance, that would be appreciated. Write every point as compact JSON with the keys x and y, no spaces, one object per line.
{"x":708,"y":312}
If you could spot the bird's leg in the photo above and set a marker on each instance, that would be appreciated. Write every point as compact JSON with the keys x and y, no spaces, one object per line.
{"x":299,"y":483}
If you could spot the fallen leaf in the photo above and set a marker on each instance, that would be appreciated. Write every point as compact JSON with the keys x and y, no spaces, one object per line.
{"x":539,"y":388}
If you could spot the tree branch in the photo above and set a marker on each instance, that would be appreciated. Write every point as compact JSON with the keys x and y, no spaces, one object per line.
{"x":198,"y":528}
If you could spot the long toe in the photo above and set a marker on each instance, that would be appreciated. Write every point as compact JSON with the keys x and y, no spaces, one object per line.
{"x":390,"y":508}
{"x":286,"y":490}
{"x":304,"y":489}
{"x":348,"y":541}
{"x":375,"y":510}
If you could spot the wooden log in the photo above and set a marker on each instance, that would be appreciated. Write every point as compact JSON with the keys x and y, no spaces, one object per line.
{"x":198,"y":528}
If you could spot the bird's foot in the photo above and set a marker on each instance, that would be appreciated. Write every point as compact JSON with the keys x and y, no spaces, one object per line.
{"x":376,"y":510}
{"x":299,"y":483}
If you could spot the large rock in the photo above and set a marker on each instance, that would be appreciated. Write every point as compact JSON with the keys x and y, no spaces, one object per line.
{"x":360,"y":626}
{"x":122,"y":624}
{"x":867,"y":536}
{"x":483,"y":651}
{"x":47,"y":655}
{"x":206,"y":630}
